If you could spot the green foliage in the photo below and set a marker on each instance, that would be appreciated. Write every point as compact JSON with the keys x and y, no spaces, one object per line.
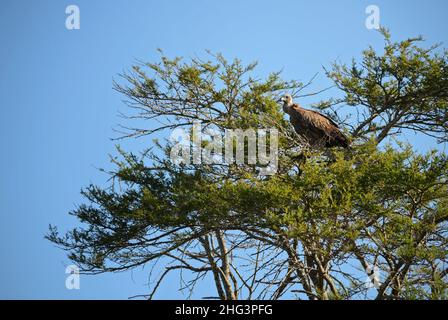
{"x":301,"y":229}
{"x":405,"y":87}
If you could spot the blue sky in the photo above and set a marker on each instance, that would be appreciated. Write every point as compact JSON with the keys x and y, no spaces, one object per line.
{"x":58,"y":107}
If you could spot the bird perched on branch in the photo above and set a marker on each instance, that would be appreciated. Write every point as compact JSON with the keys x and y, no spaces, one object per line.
{"x":317,"y":129}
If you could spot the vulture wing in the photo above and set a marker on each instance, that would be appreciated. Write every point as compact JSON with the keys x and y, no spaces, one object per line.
{"x":317,"y":127}
{"x":326,"y":117}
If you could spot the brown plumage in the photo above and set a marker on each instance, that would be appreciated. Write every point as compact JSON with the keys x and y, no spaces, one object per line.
{"x":317,"y":129}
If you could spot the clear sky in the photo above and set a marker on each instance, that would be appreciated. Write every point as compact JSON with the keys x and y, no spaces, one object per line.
{"x":58,"y":107}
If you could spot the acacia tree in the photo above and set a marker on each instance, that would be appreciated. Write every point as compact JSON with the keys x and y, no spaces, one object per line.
{"x":316,"y":229}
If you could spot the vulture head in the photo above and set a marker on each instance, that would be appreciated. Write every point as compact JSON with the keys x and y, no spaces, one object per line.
{"x":287,"y":102}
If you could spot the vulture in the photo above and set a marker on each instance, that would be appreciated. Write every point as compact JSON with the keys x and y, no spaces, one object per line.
{"x":317,"y":129}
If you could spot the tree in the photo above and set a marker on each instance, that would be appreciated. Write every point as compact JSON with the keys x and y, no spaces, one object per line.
{"x":370,"y":222}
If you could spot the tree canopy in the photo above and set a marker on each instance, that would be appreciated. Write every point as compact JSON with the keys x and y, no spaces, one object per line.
{"x":369,"y":222}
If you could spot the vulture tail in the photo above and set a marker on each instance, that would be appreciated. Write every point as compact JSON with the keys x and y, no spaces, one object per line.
{"x":338,"y":139}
